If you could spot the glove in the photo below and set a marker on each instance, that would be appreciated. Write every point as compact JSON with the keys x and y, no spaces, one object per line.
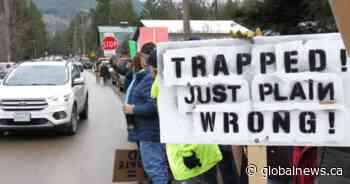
{"x":192,"y":161}
{"x":247,"y":34}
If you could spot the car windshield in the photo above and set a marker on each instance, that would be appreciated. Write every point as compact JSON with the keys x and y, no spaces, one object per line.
{"x":37,"y":75}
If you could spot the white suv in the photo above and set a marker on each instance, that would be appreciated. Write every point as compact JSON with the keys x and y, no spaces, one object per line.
{"x":43,"y":95}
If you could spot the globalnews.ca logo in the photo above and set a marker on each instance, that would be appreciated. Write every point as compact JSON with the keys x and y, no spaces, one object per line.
{"x":252,"y":170}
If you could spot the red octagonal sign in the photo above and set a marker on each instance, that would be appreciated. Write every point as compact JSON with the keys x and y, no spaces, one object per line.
{"x":110,"y":43}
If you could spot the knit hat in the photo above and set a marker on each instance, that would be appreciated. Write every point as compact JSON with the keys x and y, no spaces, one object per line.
{"x":148,"y":48}
{"x":152,"y":60}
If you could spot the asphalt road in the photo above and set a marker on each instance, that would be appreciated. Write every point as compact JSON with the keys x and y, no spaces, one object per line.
{"x":86,"y":158}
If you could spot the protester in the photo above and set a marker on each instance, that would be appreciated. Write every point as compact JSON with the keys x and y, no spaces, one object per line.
{"x":227,"y":166}
{"x":136,"y":72}
{"x":97,"y":69}
{"x":104,"y":72}
{"x":146,"y":131}
{"x":113,"y":74}
{"x":278,"y":156}
{"x":187,"y":160}
{"x":122,"y":68}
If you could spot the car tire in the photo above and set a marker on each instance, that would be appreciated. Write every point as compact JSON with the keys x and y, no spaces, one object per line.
{"x":85,"y":113}
{"x":72,"y":126}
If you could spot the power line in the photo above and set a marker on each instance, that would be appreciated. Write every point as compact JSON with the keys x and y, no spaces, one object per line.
{"x":186,"y":19}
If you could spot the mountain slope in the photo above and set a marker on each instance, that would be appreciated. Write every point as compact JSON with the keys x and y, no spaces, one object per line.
{"x":64,"y":8}
{"x":58,"y":13}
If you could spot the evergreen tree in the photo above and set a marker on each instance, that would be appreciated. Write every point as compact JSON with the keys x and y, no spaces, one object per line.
{"x":199,"y":10}
{"x":103,"y":12}
{"x":320,"y":12}
{"x":122,"y":11}
{"x":159,"y":9}
{"x":231,"y":11}
{"x":29,"y":37}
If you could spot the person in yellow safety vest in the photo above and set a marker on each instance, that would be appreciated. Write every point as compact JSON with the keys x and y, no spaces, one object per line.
{"x":186,"y":160}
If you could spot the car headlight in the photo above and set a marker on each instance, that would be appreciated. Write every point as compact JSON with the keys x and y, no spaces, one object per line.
{"x":66,"y":97}
{"x":56,"y":99}
{"x":53,"y":99}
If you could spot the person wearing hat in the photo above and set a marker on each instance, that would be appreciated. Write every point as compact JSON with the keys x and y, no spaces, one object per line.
{"x":137,"y":72}
{"x":146,"y":131}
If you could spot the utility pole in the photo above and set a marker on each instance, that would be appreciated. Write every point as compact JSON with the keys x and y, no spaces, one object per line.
{"x":75,"y":41}
{"x":216,"y":8}
{"x":82,"y":34}
{"x":34,"y":49}
{"x":186,"y":19}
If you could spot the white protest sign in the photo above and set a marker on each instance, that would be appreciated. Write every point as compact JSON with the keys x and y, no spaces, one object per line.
{"x":219,"y":92}
{"x":276,"y":91}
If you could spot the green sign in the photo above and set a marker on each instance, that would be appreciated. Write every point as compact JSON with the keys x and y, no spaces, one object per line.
{"x":132,"y":48}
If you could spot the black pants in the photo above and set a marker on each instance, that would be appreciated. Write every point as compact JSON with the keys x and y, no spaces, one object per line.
{"x":209,"y":177}
{"x":227,"y":168}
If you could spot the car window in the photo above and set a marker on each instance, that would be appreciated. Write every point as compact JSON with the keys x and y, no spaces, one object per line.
{"x":75,"y":72}
{"x":29,"y":75}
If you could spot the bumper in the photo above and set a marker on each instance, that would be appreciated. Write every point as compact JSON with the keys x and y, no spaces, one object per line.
{"x":40,"y":120}
{"x":43,"y":127}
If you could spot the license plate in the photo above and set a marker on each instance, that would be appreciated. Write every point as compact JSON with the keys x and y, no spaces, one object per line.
{"x":21,"y":117}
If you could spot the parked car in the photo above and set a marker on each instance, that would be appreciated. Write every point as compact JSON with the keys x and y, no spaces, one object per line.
{"x":97,"y":64}
{"x":43,"y":95}
{"x":87,"y":64}
{"x":79,"y":65}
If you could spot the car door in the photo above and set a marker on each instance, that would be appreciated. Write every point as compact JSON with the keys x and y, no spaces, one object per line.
{"x":78,"y":89}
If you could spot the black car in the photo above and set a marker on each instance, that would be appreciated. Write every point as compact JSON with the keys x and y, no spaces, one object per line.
{"x":79,"y":65}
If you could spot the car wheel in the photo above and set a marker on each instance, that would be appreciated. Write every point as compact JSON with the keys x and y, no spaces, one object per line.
{"x":85,"y":113}
{"x":72,"y":127}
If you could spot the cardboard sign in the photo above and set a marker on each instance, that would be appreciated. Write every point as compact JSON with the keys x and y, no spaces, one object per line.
{"x":128,"y":166}
{"x":342,"y":15}
{"x":277,"y":91}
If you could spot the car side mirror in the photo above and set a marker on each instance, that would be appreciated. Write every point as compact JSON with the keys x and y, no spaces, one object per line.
{"x":78,"y":81}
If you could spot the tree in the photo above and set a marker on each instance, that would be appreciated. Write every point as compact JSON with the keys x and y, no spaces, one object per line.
{"x":5,"y":51}
{"x":320,"y":12}
{"x":123,"y":11}
{"x":160,"y":9}
{"x":29,"y":37}
{"x":231,"y":10}
{"x":286,"y":16}
{"x":103,"y":12}
{"x":56,"y":44}
{"x":199,"y":9}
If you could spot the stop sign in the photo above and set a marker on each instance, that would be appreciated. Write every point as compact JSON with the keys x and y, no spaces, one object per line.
{"x":110,"y":43}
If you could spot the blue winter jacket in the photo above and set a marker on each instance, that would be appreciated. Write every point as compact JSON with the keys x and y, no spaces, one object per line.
{"x":145,"y":110}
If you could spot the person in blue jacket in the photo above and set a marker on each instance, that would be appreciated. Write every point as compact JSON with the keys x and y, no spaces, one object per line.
{"x":146,"y":130}
{"x":136,"y":72}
